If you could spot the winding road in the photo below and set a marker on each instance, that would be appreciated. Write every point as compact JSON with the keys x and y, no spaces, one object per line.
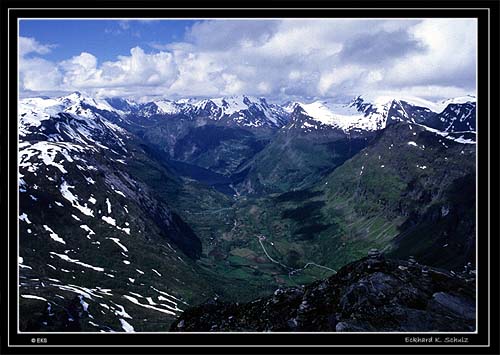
{"x":292,"y":271}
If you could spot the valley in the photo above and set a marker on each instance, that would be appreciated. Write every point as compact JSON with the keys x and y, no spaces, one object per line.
{"x":131,"y":213}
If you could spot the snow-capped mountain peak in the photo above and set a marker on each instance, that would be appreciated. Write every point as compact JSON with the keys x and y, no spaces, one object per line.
{"x":343,"y":116}
{"x":167,"y":107}
{"x":434,"y":106}
{"x":78,"y":99}
{"x":241,"y":109}
{"x":232,"y":104}
{"x":361,"y":113}
{"x":290,"y":106}
{"x":375,"y":113}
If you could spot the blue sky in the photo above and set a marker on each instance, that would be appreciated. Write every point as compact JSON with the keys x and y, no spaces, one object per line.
{"x":106,"y":39}
{"x":280,"y":59}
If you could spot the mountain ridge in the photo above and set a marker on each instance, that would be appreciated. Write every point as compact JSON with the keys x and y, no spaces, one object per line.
{"x":373,"y":294}
{"x":247,"y":111}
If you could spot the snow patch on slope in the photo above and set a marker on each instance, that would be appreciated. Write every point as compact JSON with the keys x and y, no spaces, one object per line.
{"x":78,"y":262}
{"x":73,"y":199}
{"x":342,"y":116}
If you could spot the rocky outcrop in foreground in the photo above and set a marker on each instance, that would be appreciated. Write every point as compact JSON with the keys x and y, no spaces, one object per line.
{"x":369,"y":295}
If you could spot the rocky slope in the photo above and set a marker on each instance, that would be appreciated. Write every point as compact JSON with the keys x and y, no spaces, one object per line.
{"x":99,"y":249}
{"x":369,"y":295}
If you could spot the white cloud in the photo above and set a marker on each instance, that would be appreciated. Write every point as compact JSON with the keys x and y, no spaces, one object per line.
{"x":30,"y":45}
{"x":338,"y":76}
{"x":79,"y":70}
{"x":426,"y":91}
{"x":127,"y":75}
{"x":280,"y":59}
{"x":37,"y":74}
{"x":140,"y":68}
{"x":449,"y":59}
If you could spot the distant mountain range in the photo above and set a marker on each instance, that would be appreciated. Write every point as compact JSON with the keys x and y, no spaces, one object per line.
{"x":246,"y":111}
{"x":132,"y":212}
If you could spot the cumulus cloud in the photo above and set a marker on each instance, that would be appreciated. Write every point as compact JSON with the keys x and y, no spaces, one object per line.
{"x":373,"y":48}
{"x":280,"y":59}
{"x":450,"y":58}
{"x":137,"y":69}
{"x":224,"y":35}
{"x":30,"y":45}
{"x":35,"y":73}
{"x":79,"y":70}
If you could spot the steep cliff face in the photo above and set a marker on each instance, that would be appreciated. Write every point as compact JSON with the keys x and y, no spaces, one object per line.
{"x":373,"y":294}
